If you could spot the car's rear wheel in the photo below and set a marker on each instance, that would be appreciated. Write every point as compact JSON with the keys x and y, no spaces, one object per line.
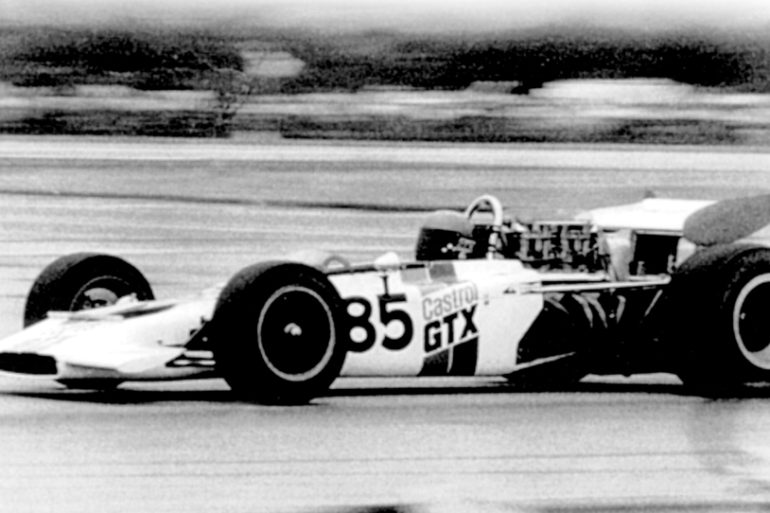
{"x":82,"y":281}
{"x":277,"y":334}
{"x":719,"y":302}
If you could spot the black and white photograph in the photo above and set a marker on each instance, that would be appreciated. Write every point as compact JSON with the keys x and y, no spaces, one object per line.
{"x":395,"y":256}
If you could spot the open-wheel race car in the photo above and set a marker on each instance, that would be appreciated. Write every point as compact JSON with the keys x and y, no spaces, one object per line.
{"x":662,"y":285}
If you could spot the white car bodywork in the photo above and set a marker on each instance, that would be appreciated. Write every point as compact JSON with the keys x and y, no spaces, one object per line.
{"x":468,"y":304}
{"x":660,"y":214}
{"x":127,"y":341}
{"x":453,"y":307}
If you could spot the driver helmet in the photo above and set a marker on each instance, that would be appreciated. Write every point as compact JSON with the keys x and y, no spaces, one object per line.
{"x":445,"y":235}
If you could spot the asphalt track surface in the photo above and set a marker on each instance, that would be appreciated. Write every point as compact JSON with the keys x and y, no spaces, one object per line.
{"x":190,"y":213}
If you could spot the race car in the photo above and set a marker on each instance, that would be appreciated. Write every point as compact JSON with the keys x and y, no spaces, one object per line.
{"x":662,"y":285}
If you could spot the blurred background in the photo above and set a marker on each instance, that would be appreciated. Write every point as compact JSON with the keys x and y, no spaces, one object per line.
{"x":686,"y":72}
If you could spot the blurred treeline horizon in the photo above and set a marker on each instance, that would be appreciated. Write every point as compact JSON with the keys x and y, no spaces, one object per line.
{"x":187,"y":59}
{"x":173,"y":81}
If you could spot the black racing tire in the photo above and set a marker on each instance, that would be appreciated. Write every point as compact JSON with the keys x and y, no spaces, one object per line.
{"x":717,"y":305}
{"x":83,"y":280}
{"x":279,"y":334}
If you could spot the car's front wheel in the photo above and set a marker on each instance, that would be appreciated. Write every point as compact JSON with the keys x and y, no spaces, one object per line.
{"x":277,"y":334}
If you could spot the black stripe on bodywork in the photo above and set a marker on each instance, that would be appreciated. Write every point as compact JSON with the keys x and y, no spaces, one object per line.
{"x":457,"y":360}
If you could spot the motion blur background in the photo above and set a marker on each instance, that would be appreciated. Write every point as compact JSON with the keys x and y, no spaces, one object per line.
{"x":692,"y":72}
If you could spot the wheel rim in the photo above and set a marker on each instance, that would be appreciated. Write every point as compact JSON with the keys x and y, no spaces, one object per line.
{"x":750,"y":325}
{"x":99,"y":292}
{"x":295,"y":333}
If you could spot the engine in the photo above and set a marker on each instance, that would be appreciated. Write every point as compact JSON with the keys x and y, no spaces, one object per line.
{"x":555,"y":245}
{"x":545,"y":245}
{"x":563,"y":246}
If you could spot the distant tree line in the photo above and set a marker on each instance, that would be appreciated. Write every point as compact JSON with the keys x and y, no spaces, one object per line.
{"x":531,"y":61}
{"x":144,"y":60}
{"x":200,"y":60}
